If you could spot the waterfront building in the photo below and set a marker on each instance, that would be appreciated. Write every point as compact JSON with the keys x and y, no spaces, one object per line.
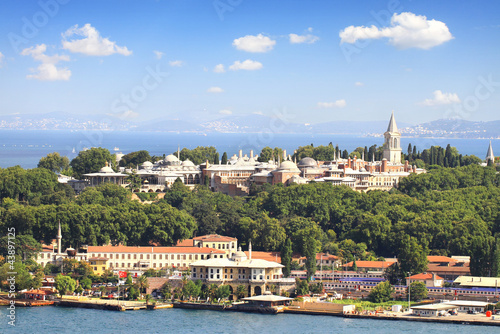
{"x":477,"y":282}
{"x":430,"y":280}
{"x":448,"y":268}
{"x":433,"y":310}
{"x":366,"y":266}
{"x":256,"y":275}
{"x":141,"y":258}
{"x":98,"y":264}
{"x":215,"y":241}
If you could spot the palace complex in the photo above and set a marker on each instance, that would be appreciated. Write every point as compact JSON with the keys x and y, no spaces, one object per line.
{"x":241,"y":171}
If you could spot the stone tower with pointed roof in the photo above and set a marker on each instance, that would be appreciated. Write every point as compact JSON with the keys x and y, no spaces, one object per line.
{"x":392,"y":144}
{"x":489,"y":154}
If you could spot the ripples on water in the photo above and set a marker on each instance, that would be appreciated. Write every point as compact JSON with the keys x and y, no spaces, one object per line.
{"x":74,"y":320}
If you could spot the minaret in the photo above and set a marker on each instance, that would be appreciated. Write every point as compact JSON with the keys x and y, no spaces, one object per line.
{"x":392,"y":144}
{"x":250,"y":250}
{"x":490,"y":155}
{"x":59,"y":237}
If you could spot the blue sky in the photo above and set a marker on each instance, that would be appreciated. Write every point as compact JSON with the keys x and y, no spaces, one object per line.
{"x":346,"y":60}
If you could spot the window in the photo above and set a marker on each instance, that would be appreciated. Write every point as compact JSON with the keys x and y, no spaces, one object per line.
{"x":172,"y":257}
{"x":129,"y":265}
{"x":178,"y":256}
{"x":196,"y":257}
{"x":135,"y":256}
{"x":211,"y":275}
{"x":160,"y":256}
{"x":184,"y":256}
{"x":211,"y":271}
{"x":154,"y":256}
{"x":128,"y":256}
{"x":225,"y":270}
{"x":110,"y":256}
{"x":231,"y":270}
{"x":194,"y":275}
{"x":123,"y":265}
{"x":218,"y":276}
{"x":202,"y":257}
{"x":123,"y":256}
{"x":231,"y":277}
{"x":154,"y":265}
{"x":218,"y":271}
{"x":140,"y":257}
{"x":225,"y":276}
{"x":190,"y":256}
{"x":117,"y":264}
{"x":95,"y":268}
{"x":147,"y":256}
{"x":213,"y":245}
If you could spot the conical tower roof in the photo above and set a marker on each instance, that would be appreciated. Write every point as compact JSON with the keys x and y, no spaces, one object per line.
{"x":489,"y":154}
{"x":392,"y":124}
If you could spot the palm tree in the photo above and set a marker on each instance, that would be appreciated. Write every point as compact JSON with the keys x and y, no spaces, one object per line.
{"x":142,"y":283}
{"x":240,"y":291}
{"x":212,"y":291}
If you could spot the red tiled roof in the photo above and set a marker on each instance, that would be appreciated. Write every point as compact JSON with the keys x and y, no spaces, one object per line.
{"x":185,"y":243}
{"x":148,"y":249}
{"x":451,"y":269}
{"x":214,"y":238}
{"x":37,"y":292}
{"x":424,"y":276}
{"x":268,"y":256}
{"x":440,"y":258}
{"x":371,"y":264}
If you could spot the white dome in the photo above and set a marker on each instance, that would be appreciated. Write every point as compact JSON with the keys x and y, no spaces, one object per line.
{"x":106,"y":169}
{"x":287,"y":165}
{"x":171,"y":158}
{"x":308,"y":163}
{"x":147,"y":164}
{"x":188,"y":163}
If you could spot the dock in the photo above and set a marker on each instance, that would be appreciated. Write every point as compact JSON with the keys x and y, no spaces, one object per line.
{"x":101,"y":304}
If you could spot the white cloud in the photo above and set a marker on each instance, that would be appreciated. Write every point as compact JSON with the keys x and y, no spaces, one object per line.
{"x":1,"y":59}
{"x":441,"y":98}
{"x":297,"y":39}
{"x":249,"y":65}
{"x":336,"y":104}
{"x":258,"y":113}
{"x":407,"y":30}
{"x":158,"y":54}
{"x":219,"y":68}
{"x":125,"y":115}
{"x":47,"y":70}
{"x":259,"y":43}
{"x":215,"y":90}
{"x":225,"y":112}
{"x":93,"y":44}
{"x":176,"y":63}
{"x":359,"y":84}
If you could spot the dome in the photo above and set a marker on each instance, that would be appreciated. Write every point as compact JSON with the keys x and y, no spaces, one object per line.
{"x":147,"y":164}
{"x":307,"y":163}
{"x":188,"y":163}
{"x":106,"y":169}
{"x":171,"y":158}
{"x":239,"y":255}
{"x":287,"y":165}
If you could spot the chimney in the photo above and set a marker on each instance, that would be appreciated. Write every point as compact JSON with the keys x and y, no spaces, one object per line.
{"x":284,"y":155}
{"x":414,"y":168}
{"x":251,"y":154}
{"x":384,"y":165}
{"x":241,"y":154}
{"x":354,"y":165}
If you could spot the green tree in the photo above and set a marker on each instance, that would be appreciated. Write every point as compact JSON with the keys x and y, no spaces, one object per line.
{"x":134,"y":159}
{"x":286,"y":257}
{"x":90,"y":161}
{"x":224,"y":159}
{"x":301,"y":287}
{"x":134,"y":181}
{"x":26,"y":247}
{"x":381,"y":293}
{"x":191,"y":290}
{"x":412,"y":256}
{"x":310,"y":251}
{"x":65,"y":284}
{"x":86,"y":283}
{"x":241,"y":291}
{"x":418,"y":291}
{"x":54,"y":162}
{"x":223,"y":292}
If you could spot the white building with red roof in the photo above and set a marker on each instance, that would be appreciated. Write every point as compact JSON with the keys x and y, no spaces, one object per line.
{"x":430,"y":280}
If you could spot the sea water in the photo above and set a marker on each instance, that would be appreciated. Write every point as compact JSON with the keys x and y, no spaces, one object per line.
{"x":26,"y":147}
{"x":52,"y":319}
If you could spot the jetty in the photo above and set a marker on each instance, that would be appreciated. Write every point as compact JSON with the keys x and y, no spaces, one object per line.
{"x":101,"y":304}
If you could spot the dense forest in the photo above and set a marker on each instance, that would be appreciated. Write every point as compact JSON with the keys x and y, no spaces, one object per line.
{"x":447,"y":211}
